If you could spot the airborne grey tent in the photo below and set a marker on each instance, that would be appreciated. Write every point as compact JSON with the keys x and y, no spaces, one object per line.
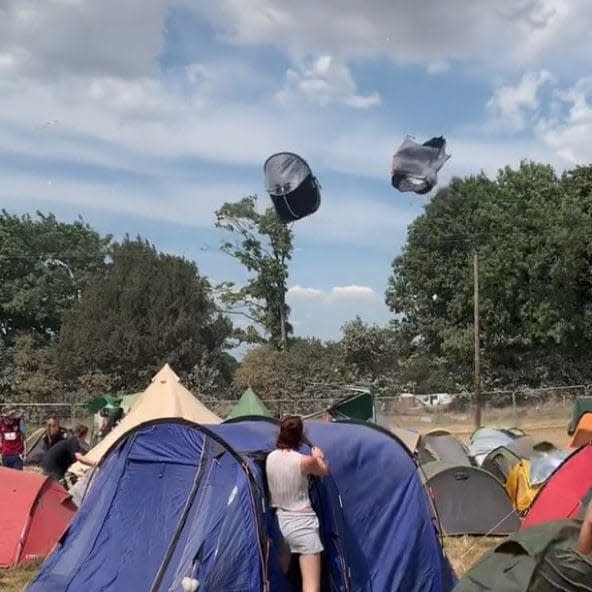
{"x":294,"y":190}
{"x":469,"y":500}
{"x":542,"y":558}
{"x":442,"y":447}
{"x":415,"y":166}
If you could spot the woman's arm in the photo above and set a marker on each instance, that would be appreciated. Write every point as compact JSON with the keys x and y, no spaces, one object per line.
{"x":84,"y":460}
{"x":585,"y":538}
{"x":315,"y":464}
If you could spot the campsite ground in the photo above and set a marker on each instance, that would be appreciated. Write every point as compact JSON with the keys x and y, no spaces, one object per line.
{"x":547,"y":423}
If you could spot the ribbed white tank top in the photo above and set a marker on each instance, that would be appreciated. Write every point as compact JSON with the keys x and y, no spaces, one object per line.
{"x":288,"y":486}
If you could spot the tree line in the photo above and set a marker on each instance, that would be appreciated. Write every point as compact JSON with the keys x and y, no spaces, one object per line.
{"x":82,"y":314}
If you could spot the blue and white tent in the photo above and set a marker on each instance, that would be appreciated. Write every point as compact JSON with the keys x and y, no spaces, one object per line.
{"x":177,"y":500}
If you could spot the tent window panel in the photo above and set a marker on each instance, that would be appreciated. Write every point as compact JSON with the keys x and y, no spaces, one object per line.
{"x":224,"y":529}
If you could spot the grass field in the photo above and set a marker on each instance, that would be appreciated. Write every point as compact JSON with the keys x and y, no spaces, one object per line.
{"x":463,"y":552}
{"x":15,"y":580}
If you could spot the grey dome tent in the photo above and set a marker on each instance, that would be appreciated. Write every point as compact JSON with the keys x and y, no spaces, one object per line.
{"x":437,"y":446}
{"x":294,"y":190}
{"x":469,"y":500}
{"x":500,"y":462}
{"x":415,"y":166}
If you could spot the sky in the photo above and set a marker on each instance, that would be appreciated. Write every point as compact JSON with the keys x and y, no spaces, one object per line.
{"x":144,"y":116}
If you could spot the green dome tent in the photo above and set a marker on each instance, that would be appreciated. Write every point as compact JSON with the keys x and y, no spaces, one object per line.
{"x":249,"y":404}
{"x":542,"y":558}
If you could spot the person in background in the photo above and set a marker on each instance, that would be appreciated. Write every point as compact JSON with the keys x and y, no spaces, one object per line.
{"x":110,"y":418}
{"x":287,"y":476}
{"x":13,"y":442}
{"x":61,"y":455}
{"x":54,"y":433}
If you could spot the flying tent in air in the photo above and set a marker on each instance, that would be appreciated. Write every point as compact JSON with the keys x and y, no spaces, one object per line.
{"x":415,"y":166}
{"x":294,"y":190}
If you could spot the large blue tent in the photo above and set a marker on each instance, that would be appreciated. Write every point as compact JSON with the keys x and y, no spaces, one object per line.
{"x":177,"y":500}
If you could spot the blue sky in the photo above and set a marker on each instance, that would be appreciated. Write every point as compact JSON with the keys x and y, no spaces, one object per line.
{"x":145,"y":116}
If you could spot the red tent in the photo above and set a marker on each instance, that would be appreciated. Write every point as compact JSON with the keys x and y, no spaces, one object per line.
{"x":34,"y":513}
{"x":561,"y":496}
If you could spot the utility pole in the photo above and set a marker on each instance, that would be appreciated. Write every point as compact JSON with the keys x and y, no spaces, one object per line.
{"x":477,"y":336}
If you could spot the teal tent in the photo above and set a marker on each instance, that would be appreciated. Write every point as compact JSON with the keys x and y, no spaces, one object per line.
{"x":99,"y":403}
{"x":359,"y":405}
{"x":249,"y":404}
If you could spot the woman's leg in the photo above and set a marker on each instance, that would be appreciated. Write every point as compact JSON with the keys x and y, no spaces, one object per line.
{"x":310,"y":566}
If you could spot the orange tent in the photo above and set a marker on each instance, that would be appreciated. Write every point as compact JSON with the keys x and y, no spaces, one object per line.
{"x":583,"y":433}
{"x":34,"y":513}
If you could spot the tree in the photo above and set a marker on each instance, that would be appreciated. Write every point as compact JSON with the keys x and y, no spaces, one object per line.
{"x":44,"y":264}
{"x":146,"y":309}
{"x":535,"y":256}
{"x":371,"y":350}
{"x":297,"y":377}
{"x":264,"y":247}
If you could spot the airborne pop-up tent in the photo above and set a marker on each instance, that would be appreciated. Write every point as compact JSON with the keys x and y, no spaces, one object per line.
{"x":175,"y":500}
{"x":415,"y":166}
{"x":294,"y":190}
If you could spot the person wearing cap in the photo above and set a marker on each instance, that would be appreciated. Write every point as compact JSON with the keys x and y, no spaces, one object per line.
{"x":13,"y":443}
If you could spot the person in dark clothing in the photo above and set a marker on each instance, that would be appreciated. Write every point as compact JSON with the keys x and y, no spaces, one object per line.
{"x":54,"y":433}
{"x":64,"y":453}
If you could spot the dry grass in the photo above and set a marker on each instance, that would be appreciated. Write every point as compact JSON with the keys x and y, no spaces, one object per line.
{"x":15,"y":580}
{"x":465,"y":551}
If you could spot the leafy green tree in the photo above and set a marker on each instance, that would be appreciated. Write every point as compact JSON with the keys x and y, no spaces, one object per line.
{"x":529,"y":228}
{"x":309,"y":370}
{"x":263,"y":245}
{"x":44,"y":264}
{"x":370,"y":349}
{"x":146,"y":309}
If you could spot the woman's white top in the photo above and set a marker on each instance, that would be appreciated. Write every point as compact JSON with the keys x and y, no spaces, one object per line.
{"x":288,"y":485}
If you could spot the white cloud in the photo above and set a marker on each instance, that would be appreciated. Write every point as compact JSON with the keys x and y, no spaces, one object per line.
{"x":504,"y":34}
{"x":337,"y":294}
{"x":511,"y":104}
{"x":53,"y":38}
{"x":167,"y":202}
{"x":322,"y":82}
{"x":568,"y":131}
{"x":354,"y":292}
{"x":302,"y":293}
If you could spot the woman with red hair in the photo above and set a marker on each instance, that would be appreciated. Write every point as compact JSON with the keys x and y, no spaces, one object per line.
{"x":287,"y":476}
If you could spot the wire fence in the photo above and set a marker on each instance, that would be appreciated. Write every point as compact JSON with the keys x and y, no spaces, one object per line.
{"x":406,"y":410}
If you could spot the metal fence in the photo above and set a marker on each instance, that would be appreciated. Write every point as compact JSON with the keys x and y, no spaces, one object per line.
{"x":508,"y":406}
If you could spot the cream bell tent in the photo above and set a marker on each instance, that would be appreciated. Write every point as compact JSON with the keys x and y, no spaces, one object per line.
{"x":167,"y":398}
